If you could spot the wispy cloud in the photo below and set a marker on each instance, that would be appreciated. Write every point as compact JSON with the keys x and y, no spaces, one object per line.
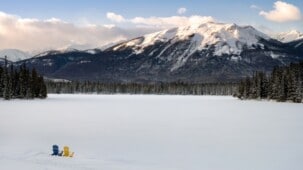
{"x":181,"y":10}
{"x":165,"y":22}
{"x":115,"y":17}
{"x":255,"y":7}
{"x":282,"y":12}
{"x":32,"y":34}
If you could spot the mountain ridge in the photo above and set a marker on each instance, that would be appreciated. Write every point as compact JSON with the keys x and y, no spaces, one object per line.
{"x":289,"y":36}
{"x":14,"y":55}
{"x":209,"y":52}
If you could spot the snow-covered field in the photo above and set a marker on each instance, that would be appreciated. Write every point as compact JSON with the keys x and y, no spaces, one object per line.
{"x":125,"y":132}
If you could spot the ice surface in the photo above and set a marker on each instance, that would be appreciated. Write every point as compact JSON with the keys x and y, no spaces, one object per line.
{"x":138,"y":132}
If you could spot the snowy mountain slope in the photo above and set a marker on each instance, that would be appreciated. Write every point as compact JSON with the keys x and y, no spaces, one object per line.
{"x":58,"y":51}
{"x":212,"y":39}
{"x":72,"y":48}
{"x":47,"y":53}
{"x":68,"y":50}
{"x":14,"y":55}
{"x":292,"y":35}
{"x":227,"y":38}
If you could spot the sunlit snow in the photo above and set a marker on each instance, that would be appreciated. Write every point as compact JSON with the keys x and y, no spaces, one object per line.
{"x":150,"y":132}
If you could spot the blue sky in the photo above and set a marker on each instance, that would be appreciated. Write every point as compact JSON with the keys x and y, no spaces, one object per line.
{"x":237,"y":11}
{"x":95,"y":12}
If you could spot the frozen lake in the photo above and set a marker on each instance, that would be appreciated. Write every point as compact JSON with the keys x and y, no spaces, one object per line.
{"x":149,"y":132}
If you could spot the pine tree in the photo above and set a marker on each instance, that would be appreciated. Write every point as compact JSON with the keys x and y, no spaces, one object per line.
{"x":16,"y":84}
{"x":42,"y":88}
{"x":1,"y":81}
{"x":291,"y":84}
{"x":6,"y":82}
{"x":21,"y":83}
{"x":283,"y":84}
{"x":264,"y":85}
{"x":274,"y":84}
{"x":35,"y":90}
{"x":241,"y":89}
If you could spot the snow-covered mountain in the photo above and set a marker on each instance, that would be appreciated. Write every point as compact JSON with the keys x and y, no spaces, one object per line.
{"x":209,"y":39}
{"x":292,"y":35}
{"x":226,"y":38}
{"x":14,"y":55}
{"x":209,"y":52}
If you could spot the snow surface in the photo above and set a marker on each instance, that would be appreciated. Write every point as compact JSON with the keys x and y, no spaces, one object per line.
{"x":14,"y":55}
{"x":138,"y":132}
{"x":227,"y":38}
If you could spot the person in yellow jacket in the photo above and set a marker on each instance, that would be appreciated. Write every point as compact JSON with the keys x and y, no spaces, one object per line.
{"x":66,"y":152}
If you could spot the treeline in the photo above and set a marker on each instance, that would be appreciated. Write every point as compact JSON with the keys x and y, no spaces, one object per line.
{"x":21,"y":83}
{"x":177,"y":88}
{"x":283,"y":84}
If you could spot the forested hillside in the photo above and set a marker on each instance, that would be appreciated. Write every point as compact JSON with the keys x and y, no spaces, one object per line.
{"x":177,"y":88}
{"x":283,"y":84}
{"x":21,"y":83}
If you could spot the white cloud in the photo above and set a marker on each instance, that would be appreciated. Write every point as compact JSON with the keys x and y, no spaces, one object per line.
{"x":282,"y":12}
{"x":37,"y":35}
{"x":30,"y":34}
{"x":255,"y":7}
{"x":166,"y":22}
{"x":173,"y":21}
{"x":182,"y":10}
{"x":109,"y":26}
{"x":115,"y":17}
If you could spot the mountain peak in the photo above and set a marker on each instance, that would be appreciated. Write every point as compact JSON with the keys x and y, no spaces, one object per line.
{"x":289,"y":36}
{"x":14,"y":54}
{"x":227,"y":38}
